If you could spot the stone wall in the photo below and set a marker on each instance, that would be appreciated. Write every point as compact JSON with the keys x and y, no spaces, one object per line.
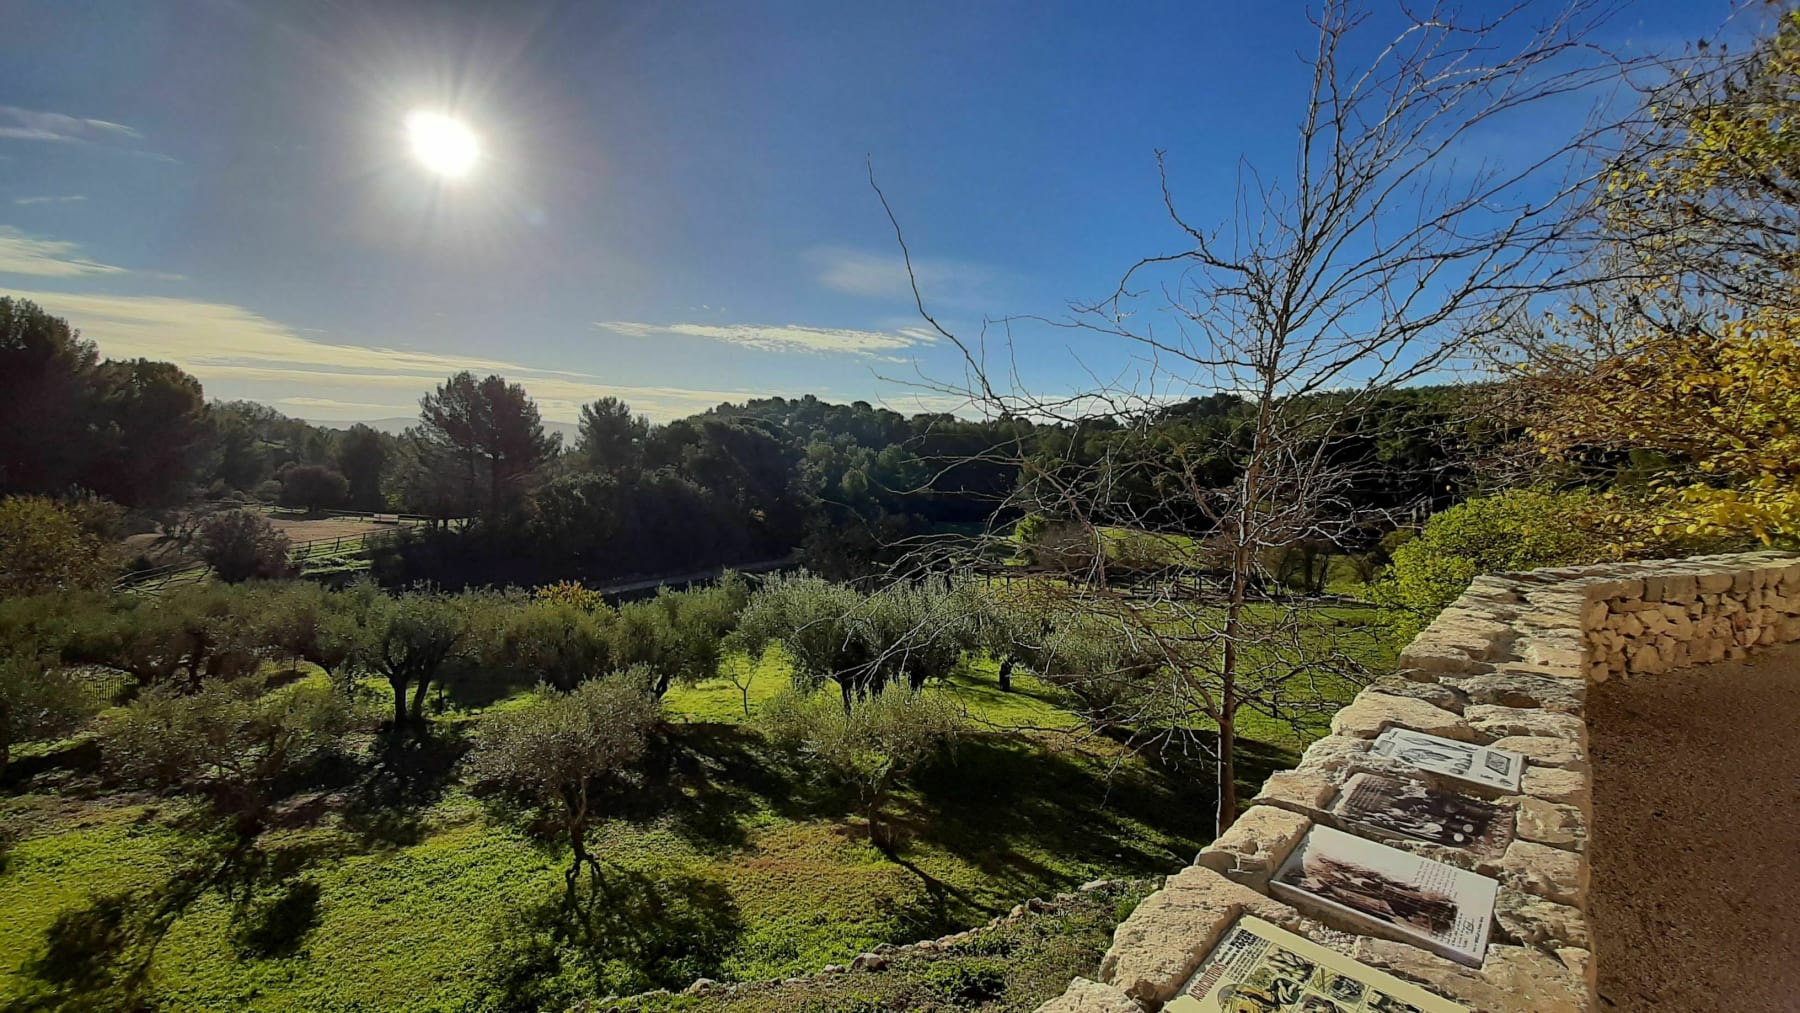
{"x":1507,"y":665}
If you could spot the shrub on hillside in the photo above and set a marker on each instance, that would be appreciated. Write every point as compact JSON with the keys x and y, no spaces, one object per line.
{"x":240,"y":545}
{"x":44,"y":546}
{"x":1515,"y":530}
{"x":233,"y":741}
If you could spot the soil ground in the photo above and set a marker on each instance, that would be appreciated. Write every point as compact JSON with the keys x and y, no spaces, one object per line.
{"x":1696,"y":833}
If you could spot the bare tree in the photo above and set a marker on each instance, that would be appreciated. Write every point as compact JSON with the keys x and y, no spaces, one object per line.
{"x":1368,"y":262}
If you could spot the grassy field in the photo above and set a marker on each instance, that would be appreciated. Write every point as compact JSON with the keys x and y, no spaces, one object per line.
{"x":385,"y":883}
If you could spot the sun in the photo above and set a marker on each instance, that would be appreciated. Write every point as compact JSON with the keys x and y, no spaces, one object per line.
{"x":443,"y":145}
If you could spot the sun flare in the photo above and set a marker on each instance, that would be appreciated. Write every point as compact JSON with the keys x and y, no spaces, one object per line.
{"x":443,"y":145}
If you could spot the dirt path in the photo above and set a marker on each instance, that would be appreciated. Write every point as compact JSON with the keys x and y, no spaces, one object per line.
{"x":1696,"y":893}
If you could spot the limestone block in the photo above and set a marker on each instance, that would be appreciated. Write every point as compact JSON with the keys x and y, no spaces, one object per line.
{"x":1496,"y":722}
{"x":1434,"y":657}
{"x":1645,"y":660}
{"x":1559,"y":826}
{"x":1084,"y":996}
{"x":1513,"y":979}
{"x":1511,"y":688}
{"x":1255,"y":845}
{"x":1157,"y":948}
{"x":1431,"y":691}
{"x":1564,"y":787}
{"x":1714,"y":582}
{"x":1333,"y":755}
{"x":1543,"y":871}
{"x":1296,"y":790}
{"x":1558,"y":653}
{"x":1530,"y":920}
{"x":1371,"y":712}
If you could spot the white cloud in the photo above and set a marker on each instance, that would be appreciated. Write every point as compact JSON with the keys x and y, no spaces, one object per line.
{"x":785,"y":337}
{"x":230,"y":346}
{"x":30,"y":125}
{"x":30,"y":201}
{"x":883,"y":276}
{"x":21,"y":253}
{"x":355,"y":409}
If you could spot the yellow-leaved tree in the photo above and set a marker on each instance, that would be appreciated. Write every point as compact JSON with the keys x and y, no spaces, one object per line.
{"x":1681,"y":364}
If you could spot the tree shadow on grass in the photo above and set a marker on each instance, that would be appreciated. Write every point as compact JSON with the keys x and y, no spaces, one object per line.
{"x":408,"y":774}
{"x":1002,"y":799}
{"x":98,"y":957}
{"x":709,"y":779}
{"x":621,"y":933}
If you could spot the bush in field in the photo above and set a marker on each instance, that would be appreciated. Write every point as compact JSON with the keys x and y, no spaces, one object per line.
{"x":45,"y":547}
{"x":411,"y":640}
{"x":832,"y":632}
{"x":313,"y":487}
{"x":240,"y":545}
{"x":554,"y":642}
{"x":1515,"y":530}
{"x":873,"y":747}
{"x":190,"y":634}
{"x":232,"y":740}
{"x":39,"y":700}
{"x":554,"y":749}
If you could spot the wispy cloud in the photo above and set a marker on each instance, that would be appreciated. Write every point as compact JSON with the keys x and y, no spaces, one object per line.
{"x":232,"y":347}
{"x":30,"y":201}
{"x":17,"y":124}
{"x":883,"y":276}
{"x":784,"y":337}
{"x":48,"y":258}
{"x":31,"y":125}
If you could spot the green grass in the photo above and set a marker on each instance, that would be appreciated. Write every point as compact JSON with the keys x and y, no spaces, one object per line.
{"x":725,"y":860}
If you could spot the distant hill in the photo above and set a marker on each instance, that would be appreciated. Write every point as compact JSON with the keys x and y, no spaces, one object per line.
{"x":398,"y":424}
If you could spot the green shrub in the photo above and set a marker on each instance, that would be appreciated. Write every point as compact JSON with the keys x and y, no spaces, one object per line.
{"x":1515,"y":530}
{"x":967,"y":982}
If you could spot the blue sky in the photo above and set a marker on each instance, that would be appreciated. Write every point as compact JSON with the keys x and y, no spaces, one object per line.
{"x":672,"y":203}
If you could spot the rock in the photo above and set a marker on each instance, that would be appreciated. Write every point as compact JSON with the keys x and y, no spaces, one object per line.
{"x":1504,"y":722}
{"x":1333,"y":754}
{"x":1084,"y":996}
{"x":1432,"y":692}
{"x":832,"y":969}
{"x":1506,"y":688}
{"x":1512,"y":978}
{"x":1543,"y":751}
{"x":1156,"y":949}
{"x":1302,"y":791}
{"x":1553,"y":784}
{"x":702,"y":985}
{"x":869,"y":962}
{"x":1255,"y":845}
{"x":1095,"y":884}
{"x":1543,"y":871}
{"x":1559,"y":826}
{"x":1533,"y":921}
{"x":1442,"y":658}
{"x":1372,"y":712}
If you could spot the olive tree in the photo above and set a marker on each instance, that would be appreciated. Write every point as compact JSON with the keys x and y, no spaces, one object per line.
{"x":39,"y":700}
{"x":411,"y":640}
{"x":232,"y":740}
{"x":554,"y":749}
{"x":873,"y":746}
{"x":863,"y":642}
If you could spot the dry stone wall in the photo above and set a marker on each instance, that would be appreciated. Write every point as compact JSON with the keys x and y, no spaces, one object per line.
{"x":1507,"y":665}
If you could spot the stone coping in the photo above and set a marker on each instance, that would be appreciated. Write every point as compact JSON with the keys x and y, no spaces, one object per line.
{"x":1508,"y":665}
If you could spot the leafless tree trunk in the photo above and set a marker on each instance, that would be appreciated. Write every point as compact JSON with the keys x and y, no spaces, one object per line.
{"x":1369,"y":262}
